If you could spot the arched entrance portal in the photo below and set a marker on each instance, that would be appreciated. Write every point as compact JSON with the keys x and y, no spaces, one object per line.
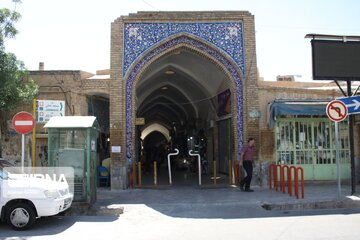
{"x":195,"y":92}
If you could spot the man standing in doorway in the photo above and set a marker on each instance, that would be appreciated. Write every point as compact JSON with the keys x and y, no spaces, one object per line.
{"x":247,"y":162}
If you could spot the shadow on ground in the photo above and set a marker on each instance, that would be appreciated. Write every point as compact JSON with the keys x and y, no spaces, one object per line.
{"x":51,"y":226}
{"x":227,"y":202}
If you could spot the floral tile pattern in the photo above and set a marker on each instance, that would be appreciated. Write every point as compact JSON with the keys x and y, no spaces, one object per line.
{"x":227,"y":36}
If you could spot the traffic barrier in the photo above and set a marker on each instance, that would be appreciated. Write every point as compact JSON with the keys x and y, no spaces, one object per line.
{"x":191,"y":153}
{"x":278,"y":171}
{"x":169,"y":163}
{"x":292,"y":170}
{"x":230,"y":172}
{"x":270,"y":174}
{"x":155,"y":173}
{"x":296,"y":171}
{"x":214,"y":175}
{"x":133,"y":175}
{"x":236,"y":173}
{"x":276,"y":179}
{"x":282,"y":183}
{"x":302,"y":182}
{"x":139,"y":174}
{"x":273,"y":176}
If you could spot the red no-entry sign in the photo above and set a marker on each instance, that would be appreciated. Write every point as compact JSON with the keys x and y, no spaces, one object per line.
{"x":23,"y":122}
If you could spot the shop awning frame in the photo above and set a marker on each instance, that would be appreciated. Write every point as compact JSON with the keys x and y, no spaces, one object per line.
{"x":290,"y":107}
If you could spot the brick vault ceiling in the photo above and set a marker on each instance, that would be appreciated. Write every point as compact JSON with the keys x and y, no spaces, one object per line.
{"x":186,"y":92}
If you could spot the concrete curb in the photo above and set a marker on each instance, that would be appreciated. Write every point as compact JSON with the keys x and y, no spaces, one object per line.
{"x":111,"y":210}
{"x":348,"y":202}
{"x":78,"y":209}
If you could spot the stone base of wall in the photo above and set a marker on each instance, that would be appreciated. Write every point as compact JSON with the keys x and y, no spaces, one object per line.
{"x":11,"y":149}
{"x":260,"y":174}
{"x":119,"y":175}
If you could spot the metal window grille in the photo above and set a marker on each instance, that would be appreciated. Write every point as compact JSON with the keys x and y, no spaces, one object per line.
{"x":303,"y":141}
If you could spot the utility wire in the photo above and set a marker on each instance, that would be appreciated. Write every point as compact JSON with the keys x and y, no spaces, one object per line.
{"x":157,"y":9}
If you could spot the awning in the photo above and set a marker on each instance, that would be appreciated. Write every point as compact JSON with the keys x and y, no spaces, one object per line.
{"x":295,"y":108}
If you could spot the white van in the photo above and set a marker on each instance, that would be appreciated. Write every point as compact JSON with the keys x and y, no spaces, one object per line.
{"x":22,"y":199}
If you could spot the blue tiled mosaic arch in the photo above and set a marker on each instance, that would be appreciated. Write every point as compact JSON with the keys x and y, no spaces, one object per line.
{"x":226,"y":36}
{"x":182,"y":40}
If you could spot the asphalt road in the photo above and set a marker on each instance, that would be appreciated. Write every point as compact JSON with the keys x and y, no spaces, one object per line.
{"x":197,"y":221}
{"x":180,"y":213}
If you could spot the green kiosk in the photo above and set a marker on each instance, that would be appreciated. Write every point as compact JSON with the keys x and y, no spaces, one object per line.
{"x":72,"y":142}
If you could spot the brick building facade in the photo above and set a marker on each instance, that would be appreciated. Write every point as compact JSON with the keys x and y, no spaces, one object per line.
{"x":187,"y":72}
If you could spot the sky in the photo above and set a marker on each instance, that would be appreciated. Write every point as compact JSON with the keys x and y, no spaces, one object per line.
{"x":75,"y":34}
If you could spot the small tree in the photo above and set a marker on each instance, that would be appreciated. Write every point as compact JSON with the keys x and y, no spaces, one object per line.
{"x":8,"y":19}
{"x":15,"y":87}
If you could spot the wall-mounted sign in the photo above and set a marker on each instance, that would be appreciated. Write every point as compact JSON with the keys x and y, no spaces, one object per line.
{"x":93,"y":146}
{"x":45,"y":109}
{"x":116,"y":149}
{"x":140,"y":121}
{"x":254,"y":113}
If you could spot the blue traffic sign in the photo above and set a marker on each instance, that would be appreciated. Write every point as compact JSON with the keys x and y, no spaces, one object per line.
{"x":352,"y":104}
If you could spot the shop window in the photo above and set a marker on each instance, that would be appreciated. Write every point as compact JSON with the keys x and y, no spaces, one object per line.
{"x":302,"y":141}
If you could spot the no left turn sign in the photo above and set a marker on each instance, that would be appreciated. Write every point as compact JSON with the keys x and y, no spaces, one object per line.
{"x":336,"y":111}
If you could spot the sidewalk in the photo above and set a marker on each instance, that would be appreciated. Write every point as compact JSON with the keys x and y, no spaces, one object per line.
{"x":172,"y":199}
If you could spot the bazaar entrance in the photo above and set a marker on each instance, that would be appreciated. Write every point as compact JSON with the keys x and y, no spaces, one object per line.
{"x":179,"y":82}
{"x":184,"y":100}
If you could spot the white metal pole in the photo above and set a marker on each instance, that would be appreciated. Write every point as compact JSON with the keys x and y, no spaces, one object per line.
{"x":338,"y":157}
{"x":22,"y":152}
{"x":199,"y":163}
{"x":169,"y":163}
{"x":169,"y":167}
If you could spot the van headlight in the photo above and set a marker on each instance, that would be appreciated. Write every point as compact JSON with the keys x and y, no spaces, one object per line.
{"x":51,"y":193}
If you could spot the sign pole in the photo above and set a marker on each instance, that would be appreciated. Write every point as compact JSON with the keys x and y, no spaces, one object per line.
{"x":352,"y":157}
{"x":22,"y":152}
{"x":353,"y":105}
{"x":351,"y":136}
{"x":337,"y":111}
{"x":33,"y":145}
{"x":338,"y":158}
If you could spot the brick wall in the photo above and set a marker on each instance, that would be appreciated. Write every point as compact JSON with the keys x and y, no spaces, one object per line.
{"x":250,"y":88}
{"x":53,"y":85}
{"x":117,"y":108}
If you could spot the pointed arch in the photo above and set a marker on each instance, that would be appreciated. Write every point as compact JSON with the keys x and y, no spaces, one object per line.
{"x":199,"y":46}
{"x":155,"y":127}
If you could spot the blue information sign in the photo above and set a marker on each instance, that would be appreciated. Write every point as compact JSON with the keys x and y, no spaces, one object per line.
{"x":352,"y":104}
